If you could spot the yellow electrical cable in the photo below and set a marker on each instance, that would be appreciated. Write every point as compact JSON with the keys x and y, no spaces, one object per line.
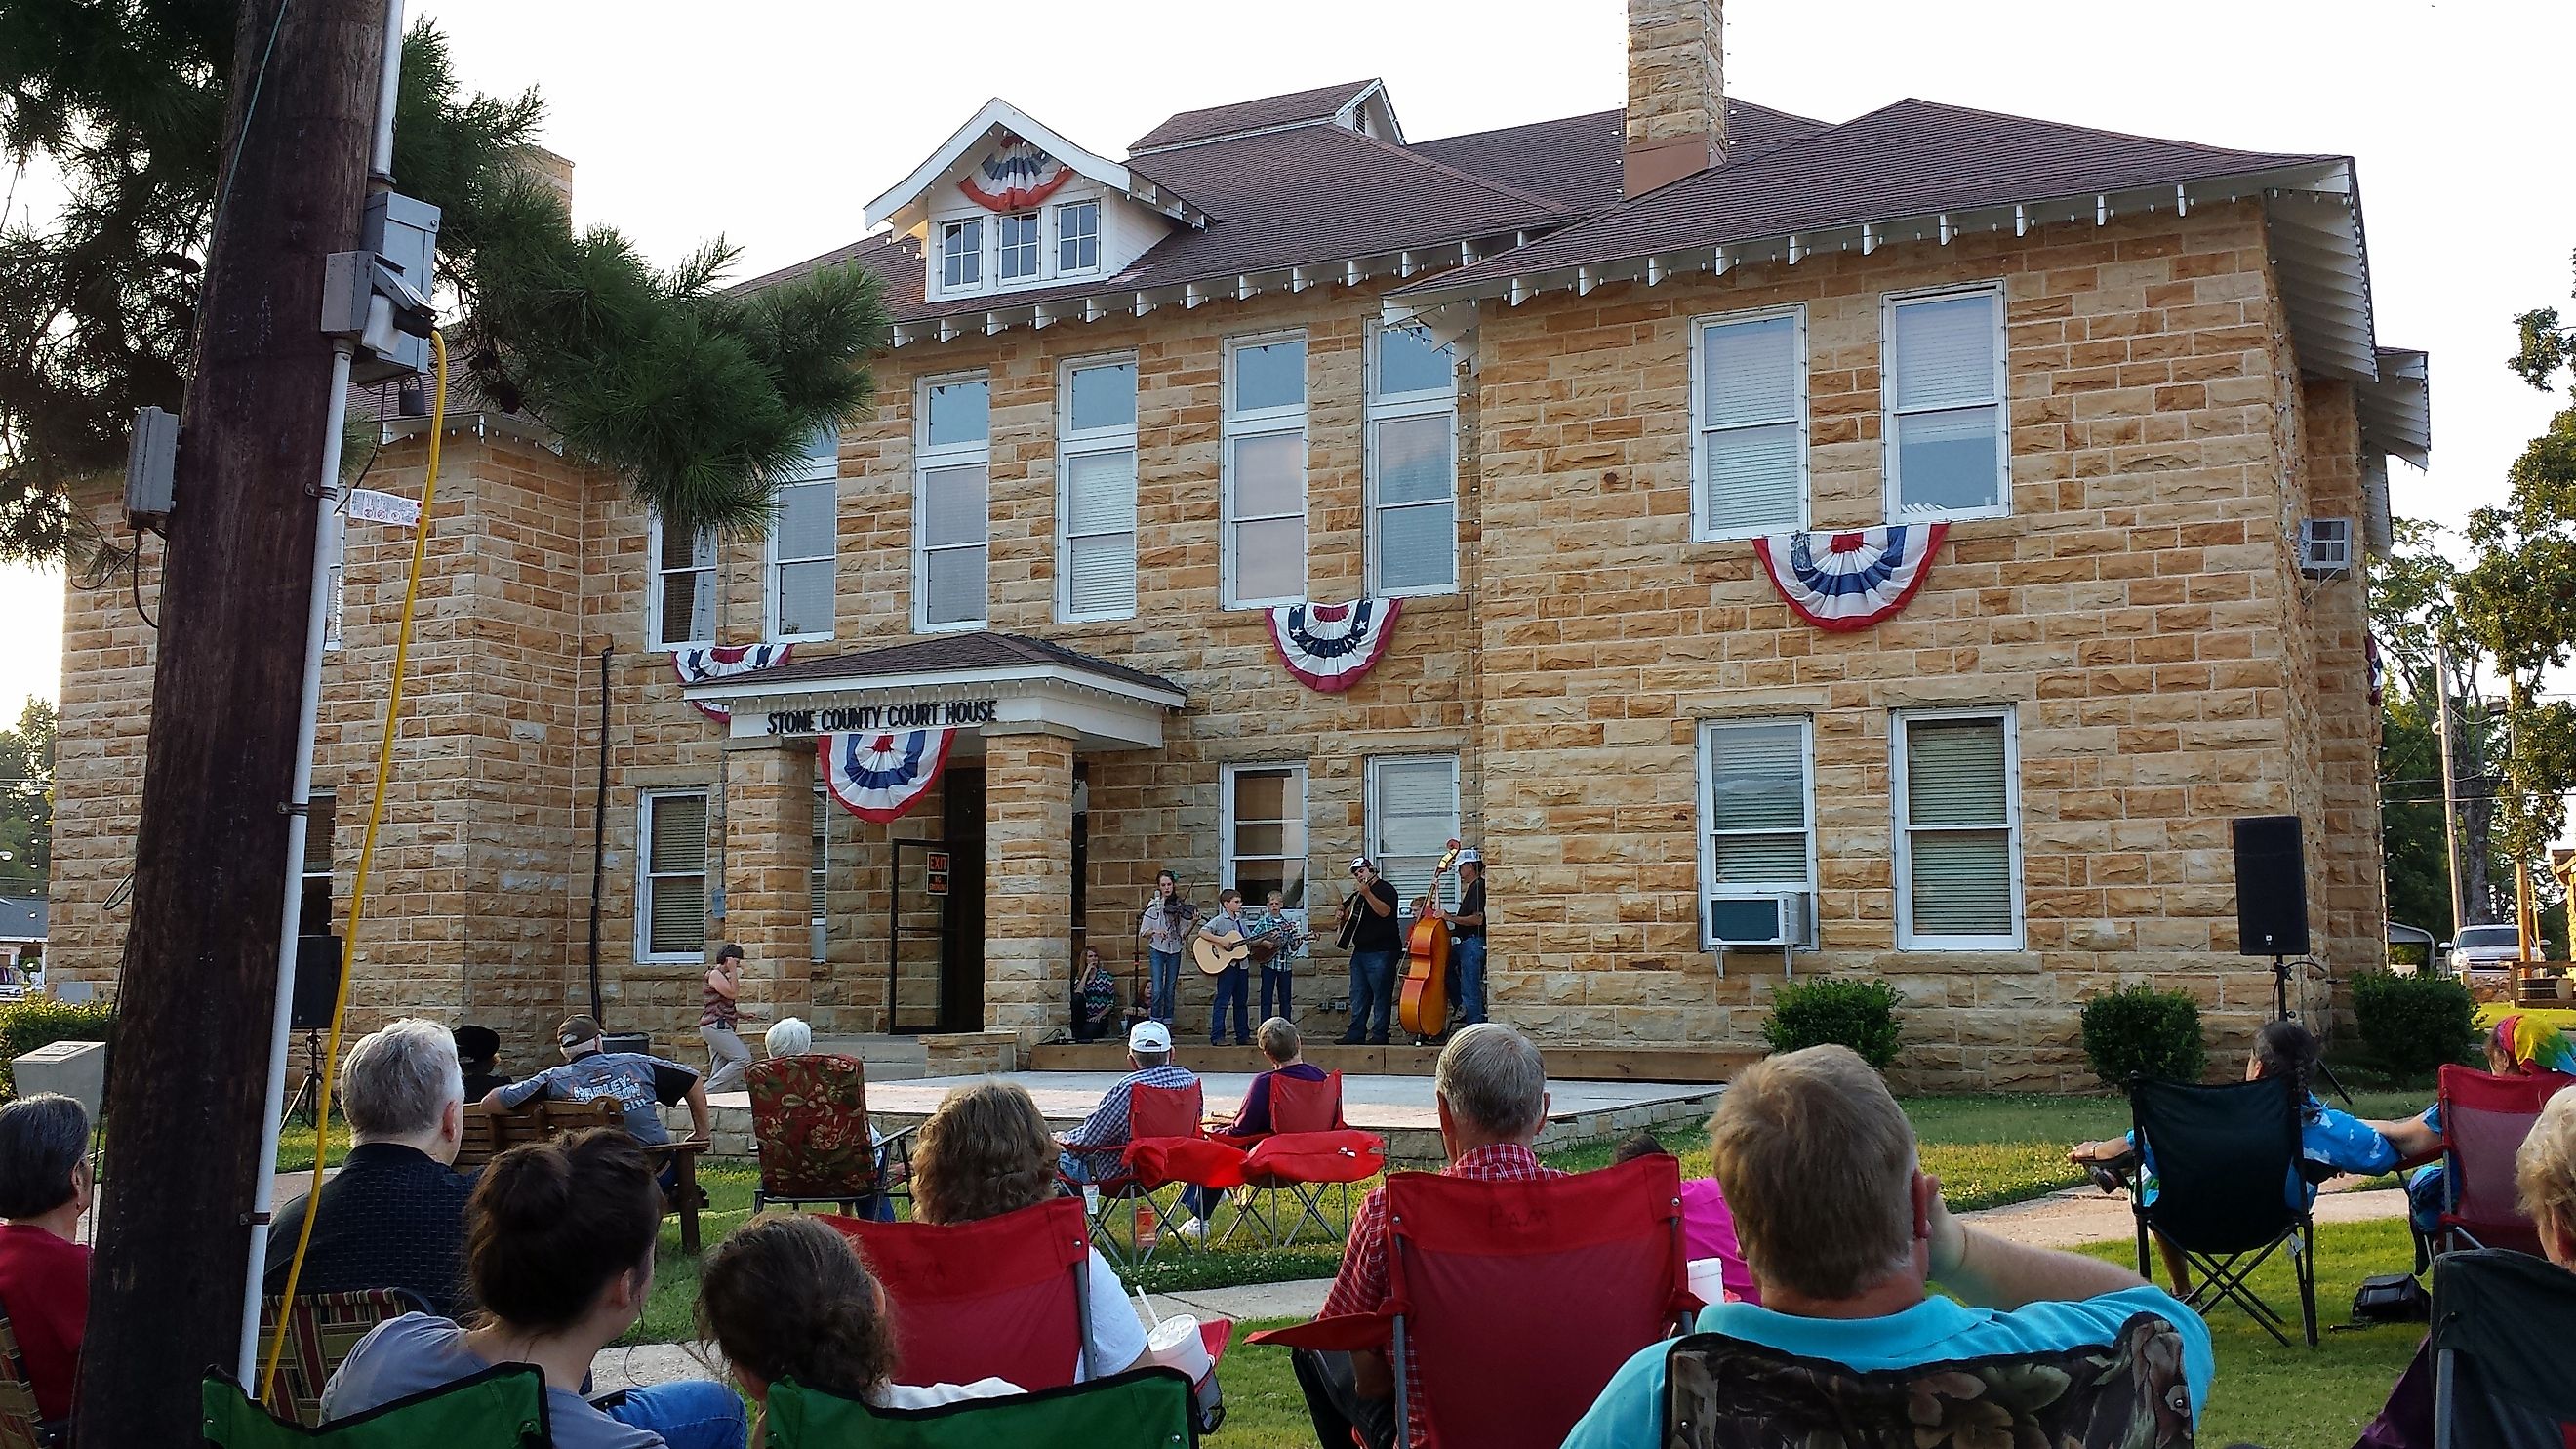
{"x":366,"y":852}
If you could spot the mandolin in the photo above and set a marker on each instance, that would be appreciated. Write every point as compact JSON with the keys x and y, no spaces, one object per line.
{"x":1422,"y":1007}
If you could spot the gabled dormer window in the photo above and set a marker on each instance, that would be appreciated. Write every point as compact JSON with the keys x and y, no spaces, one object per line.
{"x":1077,"y":236}
{"x":1019,"y":241}
{"x":961,"y":253}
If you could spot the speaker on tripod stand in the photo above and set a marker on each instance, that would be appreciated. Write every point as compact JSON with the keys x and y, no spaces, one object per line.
{"x":2272,"y":904}
{"x":317,"y":989}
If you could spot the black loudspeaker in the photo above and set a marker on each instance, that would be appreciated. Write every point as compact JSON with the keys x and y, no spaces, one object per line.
{"x":2271,"y":886}
{"x":317,"y":983}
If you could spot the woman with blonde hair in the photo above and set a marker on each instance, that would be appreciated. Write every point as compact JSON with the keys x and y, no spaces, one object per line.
{"x":987,"y":1152}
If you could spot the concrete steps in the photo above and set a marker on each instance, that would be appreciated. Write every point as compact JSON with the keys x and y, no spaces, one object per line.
{"x":889,"y":1058}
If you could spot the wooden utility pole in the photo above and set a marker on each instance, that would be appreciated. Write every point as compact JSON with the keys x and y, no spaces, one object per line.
{"x":198,"y":986}
{"x":2446,"y":730}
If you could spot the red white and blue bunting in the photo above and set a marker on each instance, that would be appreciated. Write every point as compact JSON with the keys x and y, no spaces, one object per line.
{"x":1329,"y":646}
{"x":1850,"y":578}
{"x":878,"y":776}
{"x":708,"y":663}
{"x":1015,"y":177}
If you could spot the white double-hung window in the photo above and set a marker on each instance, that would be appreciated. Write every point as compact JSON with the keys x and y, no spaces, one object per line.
{"x":1077,"y":236}
{"x":952,"y":510}
{"x":1412,"y":817}
{"x":961,"y":252}
{"x":1749,"y":423}
{"x":1019,"y":245}
{"x":1264,"y":549}
{"x":1412,"y":463}
{"x":1958,"y":831}
{"x":804,"y":541}
{"x":671,"y":876}
{"x":681,"y":608}
{"x":1757,"y":832}
{"x":1264,"y":831}
{"x":1096,"y":509}
{"x":1944,"y":402}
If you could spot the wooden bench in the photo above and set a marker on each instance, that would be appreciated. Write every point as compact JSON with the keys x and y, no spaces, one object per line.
{"x":490,"y":1132}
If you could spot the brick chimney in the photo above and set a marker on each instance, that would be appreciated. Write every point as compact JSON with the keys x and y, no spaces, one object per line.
{"x":1676,"y":91}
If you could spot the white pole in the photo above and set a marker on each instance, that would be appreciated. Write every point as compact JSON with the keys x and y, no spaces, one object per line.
{"x":317,"y":617}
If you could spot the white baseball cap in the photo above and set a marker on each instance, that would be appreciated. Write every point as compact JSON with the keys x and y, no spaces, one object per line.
{"x":1149,"y":1036}
{"x":1358,"y":861}
{"x":1469,"y":857}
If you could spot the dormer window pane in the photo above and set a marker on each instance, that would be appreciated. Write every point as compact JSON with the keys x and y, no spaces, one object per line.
{"x":961,"y":253}
{"x":1019,"y":246}
{"x":1077,"y":233}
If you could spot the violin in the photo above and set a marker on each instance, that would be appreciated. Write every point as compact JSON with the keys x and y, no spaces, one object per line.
{"x":1422,"y":1007}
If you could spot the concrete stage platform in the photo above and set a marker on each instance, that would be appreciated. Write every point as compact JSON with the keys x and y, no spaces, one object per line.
{"x":1399,"y":1108}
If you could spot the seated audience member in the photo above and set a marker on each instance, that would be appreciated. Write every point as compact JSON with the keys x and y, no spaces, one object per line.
{"x":478,"y":1054}
{"x":1845,"y":1234}
{"x":1095,"y":998}
{"x":2544,"y":1174}
{"x":788,"y":1298}
{"x":1092,"y":1149}
{"x":986,"y":1152}
{"x":44,"y":1273}
{"x":393,"y":1216}
{"x":639,"y":1083}
{"x":1708,"y":1229}
{"x":1491,"y":1087}
{"x":1285,"y":1049}
{"x":2329,"y":1140}
{"x":559,"y":1240}
{"x":2517,"y":1046}
{"x":788,"y":1036}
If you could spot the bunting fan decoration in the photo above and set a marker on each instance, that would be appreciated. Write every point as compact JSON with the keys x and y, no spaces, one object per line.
{"x":1850,"y":578}
{"x":1329,"y":646}
{"x":1015,"y":177}
{"x":708,"y":663}
{"x":878,"y":775}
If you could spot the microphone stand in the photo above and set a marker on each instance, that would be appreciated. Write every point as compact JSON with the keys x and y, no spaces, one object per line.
{"x":2281,"y":1012}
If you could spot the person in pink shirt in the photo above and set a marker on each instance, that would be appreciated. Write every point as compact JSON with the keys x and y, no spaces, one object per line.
{"x":44,"y":1274}
{"x":1708,"y":1229}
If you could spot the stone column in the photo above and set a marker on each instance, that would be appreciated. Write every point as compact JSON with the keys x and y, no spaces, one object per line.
{"x":1028,"y":853}
{"x":768,"y":864}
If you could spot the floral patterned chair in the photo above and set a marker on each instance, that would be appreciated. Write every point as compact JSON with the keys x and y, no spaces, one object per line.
{"x":1725,"y":1393}
{"x":809,"y":1119}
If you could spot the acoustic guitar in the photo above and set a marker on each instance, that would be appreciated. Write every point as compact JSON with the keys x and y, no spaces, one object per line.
{"x":1422,"y":1007}
{"x":1215,"y":954}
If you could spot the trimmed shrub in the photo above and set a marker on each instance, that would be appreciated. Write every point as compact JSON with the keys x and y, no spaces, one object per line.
{"x":2413,"y":1024}
{"x":1857,"y":1014}
{"x":2138,"y":1031}
{"x":42,"y":1021}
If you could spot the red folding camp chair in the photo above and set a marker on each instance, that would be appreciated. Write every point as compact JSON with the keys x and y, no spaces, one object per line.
{"x":2484,"y":1120}
{"x":1165,"y":1148}
{"x":1516,"y":1301}
{"x":1309,"y":1148}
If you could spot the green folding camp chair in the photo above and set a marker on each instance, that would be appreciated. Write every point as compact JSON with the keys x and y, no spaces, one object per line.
{"x":504,"y":1407}
{"x":1146,"y":1408}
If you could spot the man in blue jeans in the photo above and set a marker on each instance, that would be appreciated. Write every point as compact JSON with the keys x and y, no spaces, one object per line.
{"x":1368,"y":925}
{"x":1467,"y":938}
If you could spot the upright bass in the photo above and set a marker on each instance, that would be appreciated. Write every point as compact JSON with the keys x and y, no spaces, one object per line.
{"x":1422,"y":1007}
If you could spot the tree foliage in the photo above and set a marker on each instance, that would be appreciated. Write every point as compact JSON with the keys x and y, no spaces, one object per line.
{"x":27,"y":797}
{"x":700,"y":396}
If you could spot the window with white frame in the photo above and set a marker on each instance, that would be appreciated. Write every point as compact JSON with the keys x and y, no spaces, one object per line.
{"x":683,"y":601}
{"x":1749,"y":416}
{"x":961,"y":252}
{"x":1019,"y":246}
{"x":671,"y":876}
{"x":1958,"y":836}
{"x":1757,"y":830}
{"x":1945,"y":416}
{"x":818,"y":880}
{"x":1077,"y":236}
{"x":952,"y":528}
{"x":1412,"y":817}
{"x":1264,"y":830}
{"x":1412,"y":463}
{"x":804,"y":540}
{"x":1096,"y":516}
{"x":1264,"y":553}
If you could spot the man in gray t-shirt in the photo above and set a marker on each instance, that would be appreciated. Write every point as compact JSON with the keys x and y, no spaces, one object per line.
{"x":639,"y":1083}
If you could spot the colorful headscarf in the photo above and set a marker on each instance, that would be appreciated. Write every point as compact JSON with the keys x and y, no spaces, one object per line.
{"x":2532,"y":1043}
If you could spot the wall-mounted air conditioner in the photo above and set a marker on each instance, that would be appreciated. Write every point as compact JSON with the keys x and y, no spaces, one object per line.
{"x":1772,"y":919}
{"x":2326,"y":548}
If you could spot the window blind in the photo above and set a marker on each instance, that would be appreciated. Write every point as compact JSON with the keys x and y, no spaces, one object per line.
{"x":1751,"y":479}
{"x":1954,"y":772}
{"x":1752,"y":469}
{"x":1749,"y":372}
{"x":676,"y":879}
{"x":953,"y":505}
{"x":957,"y":585}
{"x":819,"y":888}
{"x":1757,"y":804}
{"x":1945,"y":351}
{"x":1959,"y":838}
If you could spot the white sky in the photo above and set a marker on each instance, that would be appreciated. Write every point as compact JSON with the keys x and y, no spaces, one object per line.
{"x":777,"y":121}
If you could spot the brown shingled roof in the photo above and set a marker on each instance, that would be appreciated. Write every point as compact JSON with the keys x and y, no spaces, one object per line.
{"x":1575,"y":161}
{"x":1269,"y":112}
{"x":982,"y":650}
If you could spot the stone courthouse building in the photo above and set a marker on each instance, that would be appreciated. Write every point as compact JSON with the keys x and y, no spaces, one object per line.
{"x":1870,"y":548}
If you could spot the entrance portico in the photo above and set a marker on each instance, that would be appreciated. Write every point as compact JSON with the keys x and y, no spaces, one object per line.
{"x":1011,"y":713}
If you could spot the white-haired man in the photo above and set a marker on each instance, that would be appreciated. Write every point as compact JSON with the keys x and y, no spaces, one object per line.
{"x":1844,"y":1232}
{"x":394,"y":1214}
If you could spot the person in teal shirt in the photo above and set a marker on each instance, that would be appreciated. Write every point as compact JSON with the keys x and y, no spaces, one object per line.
{"x":1846,"y":1234}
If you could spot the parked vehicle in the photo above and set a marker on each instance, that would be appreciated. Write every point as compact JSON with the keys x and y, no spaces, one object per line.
{"x":2484,"y":948}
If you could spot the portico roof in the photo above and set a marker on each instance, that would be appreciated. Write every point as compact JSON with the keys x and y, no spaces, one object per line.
{"x":976,"y":681}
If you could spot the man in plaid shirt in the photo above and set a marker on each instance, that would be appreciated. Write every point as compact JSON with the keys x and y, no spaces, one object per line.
{"x":1092,"y":1150}
{"x":1492,"y":1090}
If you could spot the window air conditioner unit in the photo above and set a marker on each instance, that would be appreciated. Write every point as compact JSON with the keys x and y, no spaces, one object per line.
{"x":1777,"y":919}
{"x":2325,"y":548}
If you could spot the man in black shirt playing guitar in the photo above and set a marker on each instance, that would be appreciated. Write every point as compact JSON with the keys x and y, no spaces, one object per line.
{"x":1370,"y":933}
